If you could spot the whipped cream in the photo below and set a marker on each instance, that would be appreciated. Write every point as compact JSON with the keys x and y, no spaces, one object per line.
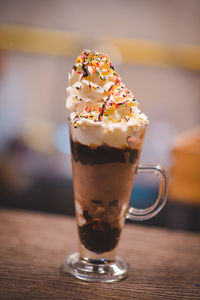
{"x":102,"y":110}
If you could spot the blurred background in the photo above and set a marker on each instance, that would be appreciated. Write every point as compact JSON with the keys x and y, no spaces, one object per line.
{"x":154,"y":45}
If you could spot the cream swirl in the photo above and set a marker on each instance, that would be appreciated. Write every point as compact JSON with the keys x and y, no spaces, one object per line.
{"x":102,"y":110}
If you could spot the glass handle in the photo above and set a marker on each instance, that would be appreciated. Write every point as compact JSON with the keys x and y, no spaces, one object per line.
{"x":147,"y":213}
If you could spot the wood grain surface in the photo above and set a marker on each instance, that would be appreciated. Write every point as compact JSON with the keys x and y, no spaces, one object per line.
{"x":164,"y":264}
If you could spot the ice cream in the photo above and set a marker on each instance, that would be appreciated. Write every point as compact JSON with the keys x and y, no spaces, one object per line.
{"x":102,"y":109}
{"x":107,"y":131}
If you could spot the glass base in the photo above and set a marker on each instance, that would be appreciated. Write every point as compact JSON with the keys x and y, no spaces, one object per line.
{"x":95,"y":270}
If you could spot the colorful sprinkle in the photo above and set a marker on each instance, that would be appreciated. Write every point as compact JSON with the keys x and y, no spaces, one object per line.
{"x":116,"y":96}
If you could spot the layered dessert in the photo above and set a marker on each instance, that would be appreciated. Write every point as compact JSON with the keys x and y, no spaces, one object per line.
{"x":107,"y":131}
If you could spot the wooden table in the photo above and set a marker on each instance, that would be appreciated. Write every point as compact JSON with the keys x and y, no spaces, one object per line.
{"x":164,"y":264}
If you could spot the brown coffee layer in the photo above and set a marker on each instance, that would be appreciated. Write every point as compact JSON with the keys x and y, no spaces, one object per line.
{"x":102,"y":154}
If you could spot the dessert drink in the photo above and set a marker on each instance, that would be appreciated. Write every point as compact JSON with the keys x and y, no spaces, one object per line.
{"x":103,"y":179}
{"x":107,"y":131}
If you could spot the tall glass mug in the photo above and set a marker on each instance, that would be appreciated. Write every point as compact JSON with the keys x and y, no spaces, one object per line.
{"x":103,"y":178}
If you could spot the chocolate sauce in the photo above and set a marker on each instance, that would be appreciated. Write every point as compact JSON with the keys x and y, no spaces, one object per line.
{"x":99,"y":202}
{"x":85,"y":72}
{"x":99,"y":236}
{"x":112,"y":67}
{"x":102,"y":154}
{"x":114,"y":203}
{"x":86,"y":215}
